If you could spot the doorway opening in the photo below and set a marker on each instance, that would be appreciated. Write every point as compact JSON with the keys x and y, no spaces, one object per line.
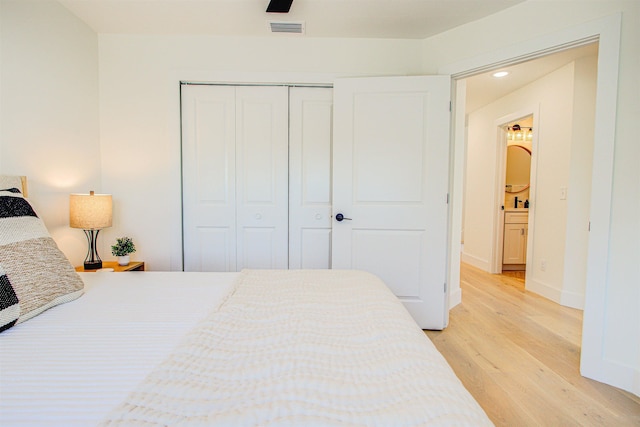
{"x":499,"y":232}
{"x":518,"y":145}
{"x":606,"y":32}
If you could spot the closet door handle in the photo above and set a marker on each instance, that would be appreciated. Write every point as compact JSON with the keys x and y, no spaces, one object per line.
{"x":340,"y":217}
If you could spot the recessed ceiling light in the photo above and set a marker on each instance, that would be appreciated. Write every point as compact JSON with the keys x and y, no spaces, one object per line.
{"x":501,"y":74}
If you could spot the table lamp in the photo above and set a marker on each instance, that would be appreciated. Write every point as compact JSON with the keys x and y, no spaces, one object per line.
{"x":91,"y":212}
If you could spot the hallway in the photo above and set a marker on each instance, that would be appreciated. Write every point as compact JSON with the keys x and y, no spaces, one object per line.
{"x":518,"y":354}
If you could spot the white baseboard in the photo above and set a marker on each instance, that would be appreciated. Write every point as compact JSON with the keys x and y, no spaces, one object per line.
{"x":482,"y":264}
{"x":544,"y":290}
{"x":616,"y":374}
{"x":572,"y":299}
{"x":564,"y":298}
{"x":455,"y":298}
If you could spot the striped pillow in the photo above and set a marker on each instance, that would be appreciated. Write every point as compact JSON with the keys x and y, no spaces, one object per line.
{"x":34,"y":274}
{"x":9,"y":307}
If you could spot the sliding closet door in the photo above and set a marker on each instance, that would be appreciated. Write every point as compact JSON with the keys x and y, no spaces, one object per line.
{"x":208,"y":179}
{"x":235,"y":177}
{"x":310,"y":120}
{"x":262,"y":128}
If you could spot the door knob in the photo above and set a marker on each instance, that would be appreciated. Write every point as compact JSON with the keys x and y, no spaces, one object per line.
{"x":340,"y":217}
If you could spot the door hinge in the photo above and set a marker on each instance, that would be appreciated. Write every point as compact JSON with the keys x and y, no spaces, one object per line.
{"x":445,"y":287}
{"x":450,"y":106}
{"x":447,"y":198}
{"x":589,"y":226}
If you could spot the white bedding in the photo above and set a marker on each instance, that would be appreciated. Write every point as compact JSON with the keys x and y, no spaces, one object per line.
{"x":72,"y":364}
{"x":303,"y":348}
{"x":284,"y":348}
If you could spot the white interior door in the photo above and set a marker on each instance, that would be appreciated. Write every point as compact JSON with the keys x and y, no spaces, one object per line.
{"x":209,"y":169}
{"x":390,"y":178}
{"x":262,"y":127}
{"x":310,"y":121}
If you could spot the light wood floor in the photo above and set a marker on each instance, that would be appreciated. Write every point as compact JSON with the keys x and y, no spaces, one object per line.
{"x":518,"y":354}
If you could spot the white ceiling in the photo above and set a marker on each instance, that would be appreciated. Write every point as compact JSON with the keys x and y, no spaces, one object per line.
{"x":398,"y":19}
{"x":483,"y":89}
{"x":408,"y":19}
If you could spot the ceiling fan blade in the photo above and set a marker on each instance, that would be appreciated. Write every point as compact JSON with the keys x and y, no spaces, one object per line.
{"x":279,"y":6}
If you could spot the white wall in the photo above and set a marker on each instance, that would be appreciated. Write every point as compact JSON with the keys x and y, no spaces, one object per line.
{"x":139,"y":112}
{"x":611,"y":336}
{"x":49,"y":110}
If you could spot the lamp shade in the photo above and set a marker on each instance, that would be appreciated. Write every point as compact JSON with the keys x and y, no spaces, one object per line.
{"x":90,"y":211}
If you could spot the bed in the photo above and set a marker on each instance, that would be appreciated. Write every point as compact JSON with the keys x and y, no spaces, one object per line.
{"x":259,"y":347}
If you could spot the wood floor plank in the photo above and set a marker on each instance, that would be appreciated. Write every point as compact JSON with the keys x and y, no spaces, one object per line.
{"x":518,"y":354}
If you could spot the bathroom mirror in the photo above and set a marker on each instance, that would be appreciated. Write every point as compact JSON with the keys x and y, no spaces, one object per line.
{"x":518,"y":168}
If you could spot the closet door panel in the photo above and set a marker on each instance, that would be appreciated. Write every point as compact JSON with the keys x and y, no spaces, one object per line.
{"x":315,"y":248}
{"x":262,"y":177}
{"x":310,"y":121}
{"x":259,"y":247}
{"x":215,"y":249}
{"x":209,"y":193}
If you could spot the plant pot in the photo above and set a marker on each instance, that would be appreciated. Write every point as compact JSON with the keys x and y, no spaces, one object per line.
{"x":123,"y":260}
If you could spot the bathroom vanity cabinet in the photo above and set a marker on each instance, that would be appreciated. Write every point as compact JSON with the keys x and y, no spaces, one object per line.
{"x":514,"y":252}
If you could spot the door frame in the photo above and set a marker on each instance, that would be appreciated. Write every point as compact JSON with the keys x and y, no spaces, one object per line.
{"x":606,"y":31}
{"x":500,"y":180}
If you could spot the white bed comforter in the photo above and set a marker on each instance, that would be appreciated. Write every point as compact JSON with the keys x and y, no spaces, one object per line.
{"x":303,"y":348}
{"x":69,"y":366}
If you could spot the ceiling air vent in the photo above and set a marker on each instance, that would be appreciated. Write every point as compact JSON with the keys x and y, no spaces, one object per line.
{"x":286,"y":27}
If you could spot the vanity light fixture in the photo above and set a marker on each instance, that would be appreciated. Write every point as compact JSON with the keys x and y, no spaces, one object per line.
{"x":500,"y":74}
{"x":518,"y":133}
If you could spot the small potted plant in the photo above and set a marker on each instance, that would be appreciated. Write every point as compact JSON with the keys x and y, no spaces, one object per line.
{"x":123,"y":247}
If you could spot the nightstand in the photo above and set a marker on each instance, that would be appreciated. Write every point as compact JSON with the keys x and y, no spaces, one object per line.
{"x":132,"y":266}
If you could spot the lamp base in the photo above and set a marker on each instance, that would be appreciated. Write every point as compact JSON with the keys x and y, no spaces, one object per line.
{"x":92,"y":261}
{"x":94,"y":265}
